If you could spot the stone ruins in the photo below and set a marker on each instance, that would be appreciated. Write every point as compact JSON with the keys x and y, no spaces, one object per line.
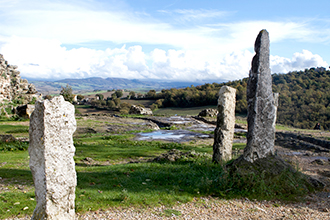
{"x":12,"y":86}
{"x":262,"y":106}
{"x":224,"y":132}
{"x":51,"y":151}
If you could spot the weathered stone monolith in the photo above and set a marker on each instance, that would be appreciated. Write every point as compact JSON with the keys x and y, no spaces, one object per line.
{"x":51,"y":150}
{"x":262,"y":106}
{"x":224,"y":132}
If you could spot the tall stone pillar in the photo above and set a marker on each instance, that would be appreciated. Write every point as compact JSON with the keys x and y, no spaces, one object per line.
{"x":224,"y":132}
{"x":262,"y":107}
{"x":51,"y":151}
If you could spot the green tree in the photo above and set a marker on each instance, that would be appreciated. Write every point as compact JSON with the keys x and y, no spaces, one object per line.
{"x":117,"y":101}
{"x":119,"y":93}
{"x":101,"y":96}
{"x":132,"y":94}
{"x":48,"y":97}
{"x":67,"y":94}
{"x":111,"y":104}
{"x":113,"y":95}
{"x":80,"y":97}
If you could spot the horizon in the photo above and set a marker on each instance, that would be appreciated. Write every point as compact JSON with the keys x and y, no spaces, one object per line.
{"x":171,"y":40}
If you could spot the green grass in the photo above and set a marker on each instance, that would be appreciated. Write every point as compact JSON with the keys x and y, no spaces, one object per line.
{"x":144,"y":102}
{"x":15,"y":130}
{"x":95,"y":92}
{"x":112,"y":181}
{"x":181,"y":111}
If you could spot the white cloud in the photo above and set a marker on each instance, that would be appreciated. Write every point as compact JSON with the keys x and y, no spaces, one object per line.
{"x":33,"y":34}
{"x":299,"y":61}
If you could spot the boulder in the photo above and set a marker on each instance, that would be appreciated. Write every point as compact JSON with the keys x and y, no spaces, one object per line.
{"x":25,"y":111}
{"x":137,"y":110}
{"x":210,"y":112}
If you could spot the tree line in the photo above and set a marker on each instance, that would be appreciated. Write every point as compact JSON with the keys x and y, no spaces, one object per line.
{"x":304,"y":97}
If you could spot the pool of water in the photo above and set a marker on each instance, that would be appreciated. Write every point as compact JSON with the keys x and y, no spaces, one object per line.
{"x":173,"y":135}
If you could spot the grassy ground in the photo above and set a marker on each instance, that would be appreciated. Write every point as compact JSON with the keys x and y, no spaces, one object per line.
{"x":15,"y":129}
{"x":181,"y":111}
{"x":118,"y":174}
{"x":145,"y":102}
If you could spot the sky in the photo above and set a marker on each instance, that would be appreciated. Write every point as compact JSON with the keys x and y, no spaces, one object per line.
{"x":168,"y":40}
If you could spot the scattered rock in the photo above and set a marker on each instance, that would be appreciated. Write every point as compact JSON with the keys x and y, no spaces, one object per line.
{"x":325,"y":173}
{"x":7,"y":138}
{"x":84,"y":130}
{"x":210,"y":112}
{"x":319,"y":162}
{"x":316,"y":183}
{"x":88,"y":160}
{"x":137,"y":110}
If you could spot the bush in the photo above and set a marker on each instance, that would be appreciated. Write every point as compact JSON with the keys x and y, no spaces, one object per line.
{"x":14,"y":146}
{"x":66,"y":92}
{"x":119,"y":93}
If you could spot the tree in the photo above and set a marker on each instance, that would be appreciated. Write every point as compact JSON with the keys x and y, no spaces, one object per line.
{"x":113,"y":95}
{"x":67,"y":94}
{"x":101,"y":96}
{"x":48,"y":97}
{"x":117,"y":101}
{"x":80,"y":97}
{"x":151,"y":93}
{"x":119,"y":93}
{"x":111,"y":104}
{"x":132,"y":94}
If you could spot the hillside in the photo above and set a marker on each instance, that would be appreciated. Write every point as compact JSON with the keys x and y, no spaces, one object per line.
{"x":98,"y":83}
{"x":304,"y":97}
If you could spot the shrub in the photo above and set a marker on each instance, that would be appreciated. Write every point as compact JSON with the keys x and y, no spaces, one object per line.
{"x":67,"y":94}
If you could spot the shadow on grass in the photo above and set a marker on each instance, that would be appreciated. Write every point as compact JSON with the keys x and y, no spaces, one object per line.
{"x":19,"y":175}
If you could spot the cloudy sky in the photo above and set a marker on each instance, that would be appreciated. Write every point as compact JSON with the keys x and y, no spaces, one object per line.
{"x":181,"y":40}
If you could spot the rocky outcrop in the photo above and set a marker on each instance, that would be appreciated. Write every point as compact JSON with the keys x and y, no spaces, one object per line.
{"x":137,"y":110}
{"x":51,"y":153}
{"x":12,"y":87}
{"x":210,"y":112}
{"x":262,"y":106}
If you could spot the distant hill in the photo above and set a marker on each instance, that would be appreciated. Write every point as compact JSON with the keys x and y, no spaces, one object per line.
{"x":98,"y":83}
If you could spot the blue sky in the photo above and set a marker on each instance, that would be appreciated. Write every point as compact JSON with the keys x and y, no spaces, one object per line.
{"x":179,"y":40}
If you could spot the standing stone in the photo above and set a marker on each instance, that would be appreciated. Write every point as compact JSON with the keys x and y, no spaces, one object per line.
{"x":262,"y":107}
{"x":51,"y":153}
{"x":224,"y":132}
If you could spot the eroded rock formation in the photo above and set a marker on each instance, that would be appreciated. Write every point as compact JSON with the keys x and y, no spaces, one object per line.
{"x":51,"y":151}
{"x":12,"y":87}
{"x":224,"y":132}
{"x":262,"y":106}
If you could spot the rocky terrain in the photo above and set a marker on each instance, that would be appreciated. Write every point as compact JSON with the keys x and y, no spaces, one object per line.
{"x":12,"y":87}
